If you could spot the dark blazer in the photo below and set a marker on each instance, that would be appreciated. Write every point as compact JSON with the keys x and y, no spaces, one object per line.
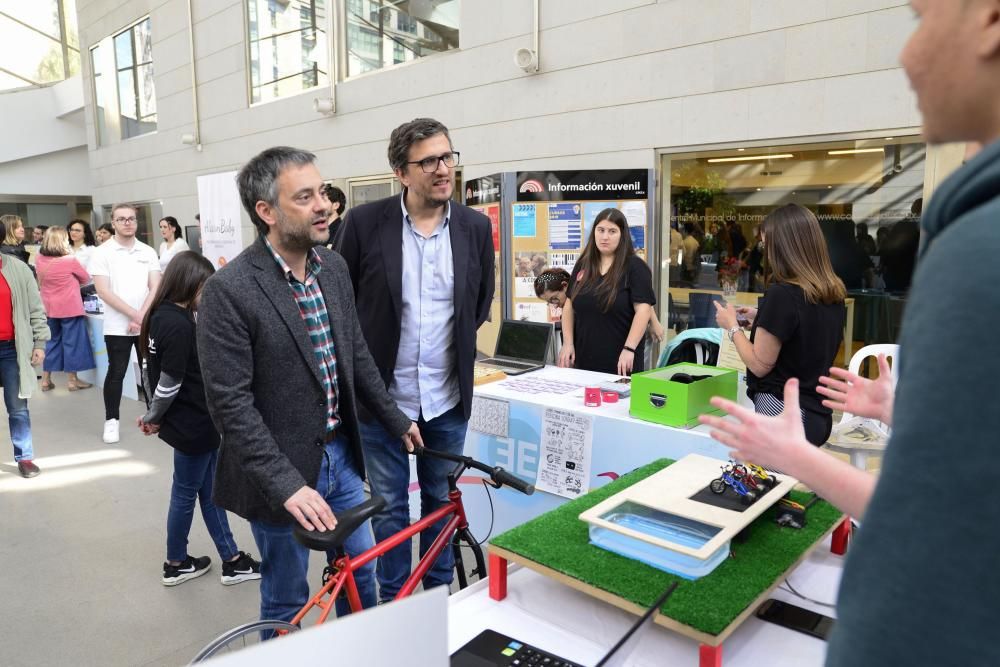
{"x":372,"y":245}
{"x":263,"y":383}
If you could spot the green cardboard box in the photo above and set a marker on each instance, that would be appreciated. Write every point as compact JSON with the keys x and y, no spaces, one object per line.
{"x":656,"y":398}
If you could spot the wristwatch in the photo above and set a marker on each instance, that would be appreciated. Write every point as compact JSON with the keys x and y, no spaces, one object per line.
{"x":630,"y":349}
{"x":732,"y":332}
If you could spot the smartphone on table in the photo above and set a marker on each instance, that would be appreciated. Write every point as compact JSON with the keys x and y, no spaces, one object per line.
{"x":796,"y":618}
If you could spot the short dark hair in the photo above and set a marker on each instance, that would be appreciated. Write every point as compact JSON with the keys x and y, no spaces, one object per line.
{"x":336,"y":196}
{"x":172,"y":221}
{"x":107,"y":228}
{"x":407,"y":134}
{"x":257,"y":180}
{"x":41,"y":227}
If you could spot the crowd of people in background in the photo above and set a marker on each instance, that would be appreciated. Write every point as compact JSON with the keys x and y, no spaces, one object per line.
{"x":884,"y":262}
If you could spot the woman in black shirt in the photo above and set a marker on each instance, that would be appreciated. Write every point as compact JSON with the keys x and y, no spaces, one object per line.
{"x":800,"y":321}
{"x":179,"y":415}
{"x":609,"y":302}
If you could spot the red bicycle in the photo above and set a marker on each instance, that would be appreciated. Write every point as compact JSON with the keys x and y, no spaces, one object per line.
{"x":338,"y":576}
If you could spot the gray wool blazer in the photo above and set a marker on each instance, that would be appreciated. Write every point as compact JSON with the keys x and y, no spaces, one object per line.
{"x":263,"y":385}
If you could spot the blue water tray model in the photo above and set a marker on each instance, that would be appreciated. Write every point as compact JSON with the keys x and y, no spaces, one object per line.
{"x":662,"y":527}
{"x":665,"y":521}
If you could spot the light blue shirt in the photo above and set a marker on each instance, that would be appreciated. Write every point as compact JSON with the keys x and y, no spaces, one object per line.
{"x":426,"y":381}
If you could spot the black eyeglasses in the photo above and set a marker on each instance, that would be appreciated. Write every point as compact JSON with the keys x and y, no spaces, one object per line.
{"x":430,"y":164}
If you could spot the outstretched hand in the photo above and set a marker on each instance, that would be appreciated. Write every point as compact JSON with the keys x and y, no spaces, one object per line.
{"x":770,"y":442}
{"x":849,"y":392}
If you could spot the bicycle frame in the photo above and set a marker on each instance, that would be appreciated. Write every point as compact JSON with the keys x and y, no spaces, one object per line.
{"x":343,"y":566}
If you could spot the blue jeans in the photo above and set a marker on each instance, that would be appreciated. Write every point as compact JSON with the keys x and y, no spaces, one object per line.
{"x":389,"y":476}
{"x":285,"y":563}
{"x":193,"y":475}
{"x":17,"y":408}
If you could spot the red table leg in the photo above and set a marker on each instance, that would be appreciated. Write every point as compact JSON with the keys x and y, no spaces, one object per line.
{"x":498,"y":577}
{"x":709,"y":656}
{"x":841,"y":535}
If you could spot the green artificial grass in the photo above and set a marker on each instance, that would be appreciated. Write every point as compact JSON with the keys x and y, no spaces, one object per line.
{"x":560,"y":540}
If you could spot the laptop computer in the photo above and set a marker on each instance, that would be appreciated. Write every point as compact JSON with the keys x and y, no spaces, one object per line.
{"x":492,"y":649}
{"x":521,"y":347}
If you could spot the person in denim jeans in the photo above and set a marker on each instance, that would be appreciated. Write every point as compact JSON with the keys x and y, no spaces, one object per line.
{"x":422,"y":270}
{"x":23,"y":333}
{"x":285,"y":366}
{"x":178,"y":414}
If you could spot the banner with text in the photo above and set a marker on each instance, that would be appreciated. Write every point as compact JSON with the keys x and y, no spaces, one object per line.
{"x":219,"y":207}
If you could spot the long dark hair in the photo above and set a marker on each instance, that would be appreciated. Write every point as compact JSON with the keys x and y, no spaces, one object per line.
{"x":182,"y":281}
{"x":88,"y":233}
{"x":589,"y":264}
{"x":172,"y":221}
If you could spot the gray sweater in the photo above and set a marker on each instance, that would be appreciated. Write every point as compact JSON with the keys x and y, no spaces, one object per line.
{"x":922,"y":581}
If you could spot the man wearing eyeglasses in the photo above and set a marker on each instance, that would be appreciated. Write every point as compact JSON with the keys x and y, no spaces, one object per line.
{"x":126,"y":272}
{"x":422,"y":268}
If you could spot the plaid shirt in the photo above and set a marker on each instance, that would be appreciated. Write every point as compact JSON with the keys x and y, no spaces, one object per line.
{"x":312,"y":308}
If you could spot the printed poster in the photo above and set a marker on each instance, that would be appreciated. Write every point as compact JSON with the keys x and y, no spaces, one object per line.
{"x":532,"y":312}
{"x":635,"y":213}
{"x":219,"y":207}
{"x":524,"y":221}
{"x":564,"y":226}
{"x":564,"y":457}
{"x":590,"y":211}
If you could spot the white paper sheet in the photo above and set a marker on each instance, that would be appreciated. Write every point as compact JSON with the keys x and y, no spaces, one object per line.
{"x":564,"y":464}
{"x":490,"y":416}
{"x":524,"y":288}
{"x":532,"y":312}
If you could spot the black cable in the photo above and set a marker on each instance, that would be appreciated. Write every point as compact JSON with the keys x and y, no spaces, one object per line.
{"x":791,"y":589}
{"x":486,"y":539}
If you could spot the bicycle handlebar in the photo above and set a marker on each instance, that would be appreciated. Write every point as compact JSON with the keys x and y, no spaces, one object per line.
{"x":499,"y":476}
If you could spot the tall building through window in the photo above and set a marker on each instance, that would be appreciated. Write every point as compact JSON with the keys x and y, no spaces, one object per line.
{"x":288,"y":48}
{"x":381,"y":33}
{"x":134,"y":76}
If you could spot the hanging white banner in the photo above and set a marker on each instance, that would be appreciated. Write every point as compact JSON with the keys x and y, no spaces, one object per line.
{"x":219,"y":207}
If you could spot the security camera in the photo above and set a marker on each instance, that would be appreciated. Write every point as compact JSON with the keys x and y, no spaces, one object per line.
{"x":898,"y":168}
{"x":526,"y":59}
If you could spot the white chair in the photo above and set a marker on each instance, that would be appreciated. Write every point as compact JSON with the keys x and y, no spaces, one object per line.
{"x":859,"y":437}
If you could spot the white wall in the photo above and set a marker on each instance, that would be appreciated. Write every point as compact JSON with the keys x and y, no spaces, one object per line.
{"x":619,"y":80}
{"x":44,"y":147}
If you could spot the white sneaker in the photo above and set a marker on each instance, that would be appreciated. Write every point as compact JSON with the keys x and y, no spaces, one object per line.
{"x":111,"y":431}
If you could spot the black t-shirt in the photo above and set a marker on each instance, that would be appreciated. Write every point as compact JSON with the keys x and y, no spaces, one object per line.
{"x":599,"y":336}
{"x":186,"y":426}
{"x":810,"y":334}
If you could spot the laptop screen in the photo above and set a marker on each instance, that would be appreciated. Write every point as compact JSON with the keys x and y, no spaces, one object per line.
{"x":523,"y":340}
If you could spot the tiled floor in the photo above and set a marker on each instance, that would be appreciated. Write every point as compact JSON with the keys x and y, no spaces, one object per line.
{"x":82,"y":546}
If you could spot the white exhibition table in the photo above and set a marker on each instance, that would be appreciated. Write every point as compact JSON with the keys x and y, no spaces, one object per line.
{"x":620,"y":444}
{"x":577,"y":627}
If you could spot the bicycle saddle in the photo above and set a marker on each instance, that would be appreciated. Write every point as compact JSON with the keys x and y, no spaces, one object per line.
{"x":347,"y":522}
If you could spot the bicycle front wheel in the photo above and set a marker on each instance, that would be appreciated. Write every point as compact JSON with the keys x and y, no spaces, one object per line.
{"x":241,"y":637}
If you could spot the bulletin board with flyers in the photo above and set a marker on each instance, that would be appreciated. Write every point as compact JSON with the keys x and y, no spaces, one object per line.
{"x":484,"y":195}
{"x":551,"y":219}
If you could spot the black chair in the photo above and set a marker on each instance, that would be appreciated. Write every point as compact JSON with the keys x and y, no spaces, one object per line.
{"x":702,"y":312}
